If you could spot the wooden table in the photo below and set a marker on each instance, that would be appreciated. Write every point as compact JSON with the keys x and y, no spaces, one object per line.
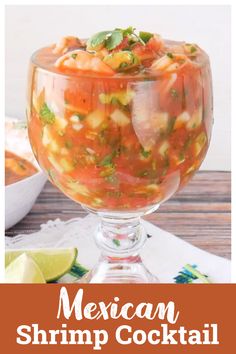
{"x":199,"y":214}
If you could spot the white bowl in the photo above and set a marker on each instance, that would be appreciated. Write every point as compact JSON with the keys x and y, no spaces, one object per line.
{"x":21,"y":196}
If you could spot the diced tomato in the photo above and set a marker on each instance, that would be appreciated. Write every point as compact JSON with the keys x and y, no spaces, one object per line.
{"x":127,"y":138}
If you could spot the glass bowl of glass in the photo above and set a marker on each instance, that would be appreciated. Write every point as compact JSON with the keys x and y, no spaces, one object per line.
{"x":120,"y":142}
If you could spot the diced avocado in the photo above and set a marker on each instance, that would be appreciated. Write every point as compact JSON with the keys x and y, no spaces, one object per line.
{"x":78,"y":188}
{"x":55,"y":164}
{"x":54,"y":147}
{"x":38,"y":100}
{"x":48,"y":141}
{"x":180,"y":159}
{"x":107,"y":171}
{"x":122,"y":97}
{"x":162,"y":63}
{"x":190,"y":49}
{"x":196,"y":119}
{"x":120,"y":118}
{"x":96,"y":202}
{"x":66,"y":165}
{"x":46,"y":136}
{"x":190,"y":169}
{"x":181,"y":120}
{"x":160,"y":121}
{"x":60,"y":123}
{"x":122,"y":60}
{"x":164,"y":148}
{"x":95,"y":119}
{"x":153,"y":188}
{"x":199,"y":143}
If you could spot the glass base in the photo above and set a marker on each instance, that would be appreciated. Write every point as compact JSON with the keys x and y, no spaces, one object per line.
{"x":120,"y":238}
{"x":126,"y":270}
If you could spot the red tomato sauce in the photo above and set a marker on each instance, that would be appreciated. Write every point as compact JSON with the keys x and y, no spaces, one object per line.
{"x":17,"y":168}
{"x":122,"y":142}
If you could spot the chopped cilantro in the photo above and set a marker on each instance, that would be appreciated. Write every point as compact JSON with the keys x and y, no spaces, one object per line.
{"x":127,"y":31}
{"x":170,"y":55}
{"x":74,"y":55}
{"x":80,"y":116}
{"x":68,"y":144}
{"x":98,"y":39}
{"x":107,"y":160}
{"x":142,"y":173}
{"x":46,"y":115}
{"x":21,"y":165}
{"x":114,"y":40}
{"x":145,"y":36}
{"x":171,"y":124}
{"x":174,"y":93}
{"x":145,"y":153}
{"x":116,"y":242}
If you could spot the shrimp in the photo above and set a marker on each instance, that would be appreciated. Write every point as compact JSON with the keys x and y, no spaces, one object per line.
{"x":84,"y":61}
{"x":67,"y":43}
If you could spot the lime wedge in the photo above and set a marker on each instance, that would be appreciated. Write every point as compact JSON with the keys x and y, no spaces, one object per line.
{"x":23,"y":270}
{"x":54,"y":263}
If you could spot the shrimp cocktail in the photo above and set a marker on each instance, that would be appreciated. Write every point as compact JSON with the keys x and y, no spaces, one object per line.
{"x":120,"y":122}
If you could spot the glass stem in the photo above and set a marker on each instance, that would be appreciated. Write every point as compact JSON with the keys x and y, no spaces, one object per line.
{"x":120,"y":239}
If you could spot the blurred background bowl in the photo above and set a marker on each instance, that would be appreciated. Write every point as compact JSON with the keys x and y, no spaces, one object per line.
{"x":20,"y":196}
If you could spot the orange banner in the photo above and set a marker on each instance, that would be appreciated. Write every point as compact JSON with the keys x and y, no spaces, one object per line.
{"x":117,"y":318}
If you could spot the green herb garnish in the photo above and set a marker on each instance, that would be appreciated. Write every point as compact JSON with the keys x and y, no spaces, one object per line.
{"x":145,"y":36}
{"x":174,"y":93}
{"x":145,"y":153}
{"x":21,"y":165}
{"x":74,"y":55}
{"x":170,"y":55}
{"x":142,"y":173}
{"x":98,"y":39}
{"x":68,"y":144}
{"x":127,"y":31}
{"x":80,"y":116}
{"x":171,"y":124}
{"x":114,"y":40}
{"x":111,"y":39}
{"x":46,"y":115}
{"x":107,"y":160}
{"x":116,"y":242}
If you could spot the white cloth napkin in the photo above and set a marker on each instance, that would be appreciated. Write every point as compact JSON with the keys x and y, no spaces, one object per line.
{"x":164,"y":254}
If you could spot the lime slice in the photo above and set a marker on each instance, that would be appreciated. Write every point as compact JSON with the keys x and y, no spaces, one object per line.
{"x":54,"y":263}
{"x":23,"y":270}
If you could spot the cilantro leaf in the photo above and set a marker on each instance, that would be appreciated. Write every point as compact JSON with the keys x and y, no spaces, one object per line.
{"x":116,"y":242}
{"x":170,"y":55}
{"x":114,"y":40}
{"x":46,"y":115}
{"x":145,"y":36}
{"x":128,"y":30}
{"x":145,"y":153}
{"x":107,"y":160}
{"x":97,"y":39}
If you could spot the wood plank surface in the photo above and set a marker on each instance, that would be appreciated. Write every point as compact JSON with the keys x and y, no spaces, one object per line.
{"x":199,"y":214}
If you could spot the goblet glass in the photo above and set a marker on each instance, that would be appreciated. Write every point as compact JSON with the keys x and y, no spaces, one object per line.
{"x":120,"y":146}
